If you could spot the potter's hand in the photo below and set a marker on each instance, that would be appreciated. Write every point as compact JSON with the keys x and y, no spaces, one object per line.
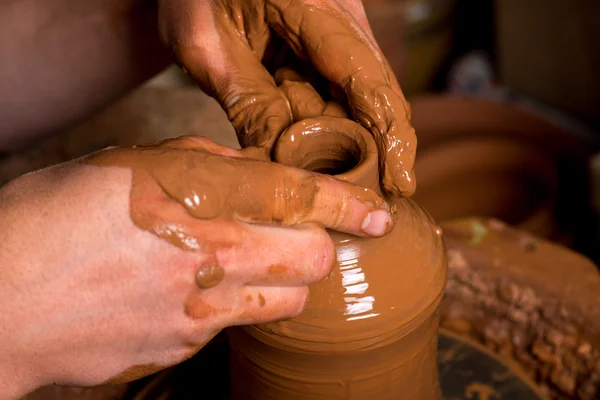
{"x":221,"y":43}
{"x":109,"y":275}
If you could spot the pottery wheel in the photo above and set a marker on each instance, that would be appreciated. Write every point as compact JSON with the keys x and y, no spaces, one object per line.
{"x":467,"y":372}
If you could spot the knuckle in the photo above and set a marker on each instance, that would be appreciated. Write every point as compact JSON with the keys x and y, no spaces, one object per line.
{"x":298,"y":299}
{"x":187,"y":330}
{"x":323,"y":256}
{"x":257,"y":115}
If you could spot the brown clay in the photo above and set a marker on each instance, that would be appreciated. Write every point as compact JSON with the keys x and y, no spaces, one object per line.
{"x":370,"y":329}
{"x":208,"y":276}
{"x":488,"y":159}
{"x":338,"y":48}
{"x":182,"y":174}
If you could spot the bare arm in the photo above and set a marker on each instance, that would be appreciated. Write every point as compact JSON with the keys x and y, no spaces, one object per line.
{"x":61,"y":60}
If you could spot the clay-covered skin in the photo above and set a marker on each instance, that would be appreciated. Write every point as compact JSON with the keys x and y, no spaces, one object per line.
{"x":227,"y":46}
{"x":209,"y":276}
{"x":232,"y":187}
{"x":129,"y":260}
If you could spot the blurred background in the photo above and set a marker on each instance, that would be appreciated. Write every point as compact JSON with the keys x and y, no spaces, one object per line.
{"x":505,"y":100}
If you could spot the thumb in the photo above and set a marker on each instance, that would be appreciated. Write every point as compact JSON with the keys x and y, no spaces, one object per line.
{"x":207,"y":46}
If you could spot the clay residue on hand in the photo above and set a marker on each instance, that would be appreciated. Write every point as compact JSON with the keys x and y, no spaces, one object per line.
{"x":343,"y":53}
{"x":336,"y":60}
{"x":174,"y":180}
{"x":207,"y":186}
{"x":396,"y":142}
{"x":209,"y":276}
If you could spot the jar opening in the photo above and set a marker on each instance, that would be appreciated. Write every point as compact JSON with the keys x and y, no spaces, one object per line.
{"x":330,"y":145}
{"x":338,"y":154}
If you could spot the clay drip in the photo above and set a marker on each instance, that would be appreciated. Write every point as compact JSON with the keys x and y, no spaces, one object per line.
{"x":369,"y":329}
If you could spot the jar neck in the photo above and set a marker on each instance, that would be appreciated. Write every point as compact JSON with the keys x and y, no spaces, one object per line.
{"x":331,"y":145}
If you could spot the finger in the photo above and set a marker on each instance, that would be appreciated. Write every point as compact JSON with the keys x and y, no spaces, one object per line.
{"x":277,"y":256}
{"x":207,"y":44}
{"x":304,"y":100}
{"x":214,"y":187}
{"x":343,"y":53}
{"x":288,"y":74}
{"x":257,"y":191}
{"x":208,"y":145}
{"x":268,"y":304}
{"x":333,"y":109}
{"x":155,"y":211}
{"x":240,"y":305}
{"x":357,"y":9}
{"x":199,"y":142}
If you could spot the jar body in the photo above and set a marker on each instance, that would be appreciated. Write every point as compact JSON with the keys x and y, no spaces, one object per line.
{"x":368,"y":331}
{"x":405,"y":369}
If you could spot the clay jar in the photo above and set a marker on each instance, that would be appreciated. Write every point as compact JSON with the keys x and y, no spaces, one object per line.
{"x":481,"y":158}
{"x":369,"y":331}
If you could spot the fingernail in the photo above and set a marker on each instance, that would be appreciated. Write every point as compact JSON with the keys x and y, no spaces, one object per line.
{"x":377,"y":223}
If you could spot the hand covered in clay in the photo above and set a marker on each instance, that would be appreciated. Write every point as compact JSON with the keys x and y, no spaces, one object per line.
{"x":235,"y":48}
{"x":127,"y":261}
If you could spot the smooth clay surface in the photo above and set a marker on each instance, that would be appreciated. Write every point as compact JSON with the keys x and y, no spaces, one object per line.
{"x":369,"y":329}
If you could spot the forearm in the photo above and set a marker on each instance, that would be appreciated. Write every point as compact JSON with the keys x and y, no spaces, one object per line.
{"x":65,"y":59}
{"x":17,"y":376}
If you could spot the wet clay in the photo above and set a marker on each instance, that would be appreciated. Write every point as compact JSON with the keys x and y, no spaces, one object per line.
{"x":334,"y":41}
{"x":208,"y":276}
{"x":370,"y":329}
{"x":209,"y":186}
